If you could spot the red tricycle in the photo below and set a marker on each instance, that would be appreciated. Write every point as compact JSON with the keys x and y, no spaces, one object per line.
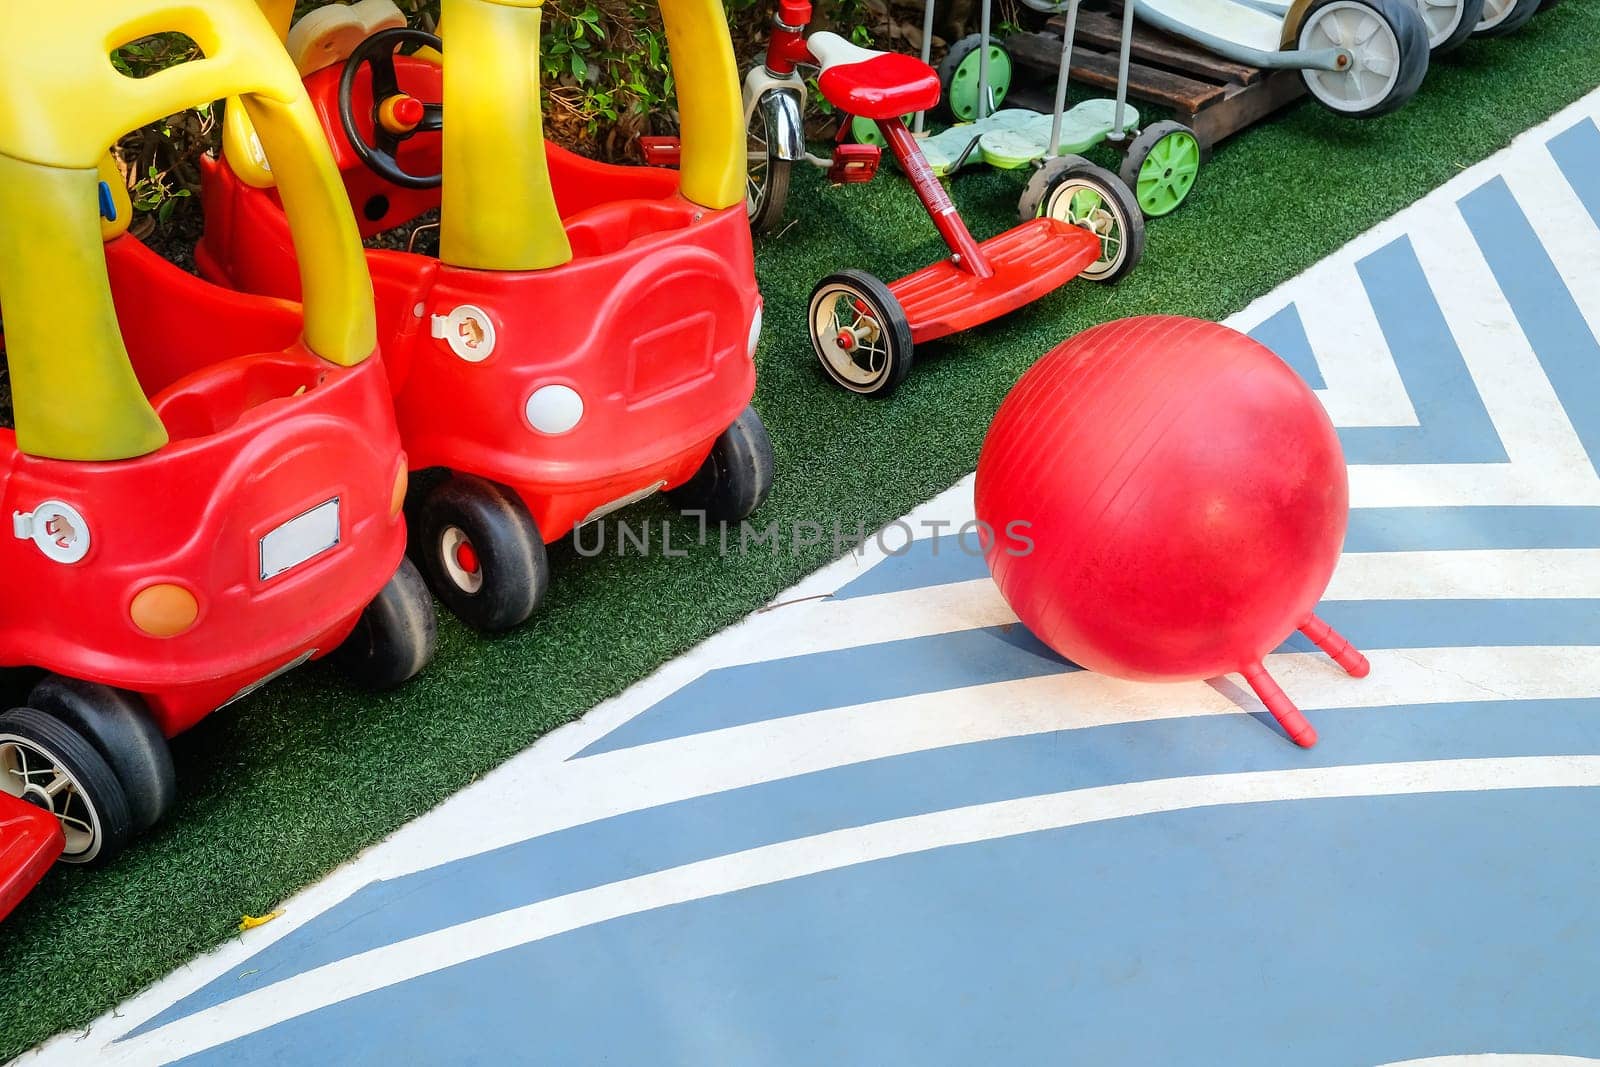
{"x":30,"y":841}
{"x":1079,"y":220}
{"x":203,"y":487}
{"x":584,"y":337}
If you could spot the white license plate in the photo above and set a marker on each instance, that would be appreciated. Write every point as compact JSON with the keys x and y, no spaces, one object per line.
{"x":301,"y":538}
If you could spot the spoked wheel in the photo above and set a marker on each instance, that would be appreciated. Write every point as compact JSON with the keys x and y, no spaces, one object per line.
{"x":735,"y":478}
{"x":48,"y":764}
{"x":766,"y":182}
{"x":958,"y":76}
{"x":1161,"y":166}
{"x":1075,"y":191}
{"x":1388,"y":43}
{"x":395,"y":636}
{"x":860,"y":333}
{"x":1503,"y":17}
{"x":482,"y":553}
{"x":1449,"y":22}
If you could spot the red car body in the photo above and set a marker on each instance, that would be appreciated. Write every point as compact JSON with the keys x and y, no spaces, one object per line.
{"x":262,"y":432}
{"x":652,"y":323}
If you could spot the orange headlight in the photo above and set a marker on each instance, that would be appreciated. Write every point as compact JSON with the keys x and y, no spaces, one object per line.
{"x":164,"y":610}
{"x":402,"y":482}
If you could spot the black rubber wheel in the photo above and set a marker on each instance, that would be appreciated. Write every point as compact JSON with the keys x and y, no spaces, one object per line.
{"x":860,"y":333}
{"x":1351,"y":93}
{"x":38,"y":751}
{"x":1073,"y":190}
{"x":958,"y":79}
{"x":1450,"y":30}
{"x":735,"y":478}
{"x":1546,"y":5}
{"x":498,"y":579}
{"x":1502,"y":21}
{"x":119,"y":726}
{"x":396,"y":635}
{"x":766,"y":185}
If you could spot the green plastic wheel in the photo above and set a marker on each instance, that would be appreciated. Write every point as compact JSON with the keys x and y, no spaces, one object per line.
{"x":865,"y":131}
{"x":958,"y":75}
{"x":1161,"y":166}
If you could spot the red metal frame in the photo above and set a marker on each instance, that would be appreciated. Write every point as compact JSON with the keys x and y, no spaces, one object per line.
{"x":980,"y":281}
{"x":30,"y":841}
{"x":262,"y":430}
{"x":651,"y":322}
{"x":786,"y":48}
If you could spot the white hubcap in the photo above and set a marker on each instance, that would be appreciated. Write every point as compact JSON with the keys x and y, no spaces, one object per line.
{"x":1442,"y":17}
{"x":459,"y":559}
{"x":849,"y":337}
{"x":1495,"y":12}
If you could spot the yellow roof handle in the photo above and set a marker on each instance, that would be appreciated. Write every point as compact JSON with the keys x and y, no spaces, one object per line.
{"x":73,"y":391}
{"x":499,"y":210}
{"x":75,"y":396}
{"x":280,"y":13}
{"x":711,"y":114}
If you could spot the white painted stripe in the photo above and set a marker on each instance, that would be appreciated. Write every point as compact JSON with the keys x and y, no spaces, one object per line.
{"x":1570,"y":235}
{"x":1463,"y":485}
{"x":732,"y":758}
{"x":1497,"y":1059}
{"x":816,"y":626}
{"x":1501,"y":574}
{"x":1363,"y":383}
{"x":380,"y":968}
{"x":1516,"y":392}
{"x":830,"y":625}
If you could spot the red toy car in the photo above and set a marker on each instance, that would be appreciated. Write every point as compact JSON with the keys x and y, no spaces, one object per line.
{"x":203,"y":487}
{"x":584,"y":338}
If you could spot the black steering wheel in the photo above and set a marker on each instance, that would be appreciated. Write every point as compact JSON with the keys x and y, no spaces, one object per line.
{"x":389,"y":130}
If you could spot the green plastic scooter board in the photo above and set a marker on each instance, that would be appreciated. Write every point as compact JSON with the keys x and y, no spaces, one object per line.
{"x":1013,"y":137}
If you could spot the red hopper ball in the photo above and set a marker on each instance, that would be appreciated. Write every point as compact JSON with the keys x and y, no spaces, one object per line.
{"x":1185,"y":497}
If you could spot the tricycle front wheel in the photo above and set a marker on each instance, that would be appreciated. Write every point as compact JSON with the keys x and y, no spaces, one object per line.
{"x":766,"y":182}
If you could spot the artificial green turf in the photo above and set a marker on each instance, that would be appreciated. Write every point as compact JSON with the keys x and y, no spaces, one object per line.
{"x":285,"y":786}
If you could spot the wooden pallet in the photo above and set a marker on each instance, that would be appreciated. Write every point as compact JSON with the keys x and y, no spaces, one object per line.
{"x":1213,"y":96}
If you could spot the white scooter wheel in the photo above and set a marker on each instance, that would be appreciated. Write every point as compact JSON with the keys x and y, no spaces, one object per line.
{"x":1388,"y":42}
{"x":1504,"y":17}
{"x":1449,"y":22}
